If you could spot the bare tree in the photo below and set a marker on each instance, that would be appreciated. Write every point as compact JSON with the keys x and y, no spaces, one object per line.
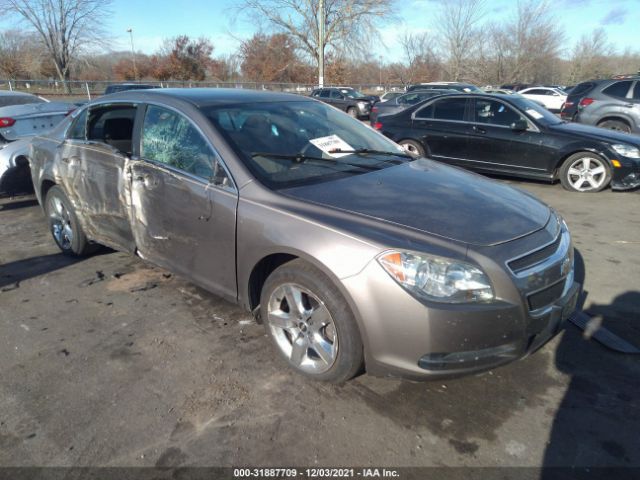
{"x":65,"y":27}
{"x":458,"y":22}
{"x":591,"y":56}
{"x":350,"y":25}
{"x":421,"y":59}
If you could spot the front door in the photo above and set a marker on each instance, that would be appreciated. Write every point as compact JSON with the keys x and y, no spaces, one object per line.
{"x":496,"y":146}
{"x":183,"y":202}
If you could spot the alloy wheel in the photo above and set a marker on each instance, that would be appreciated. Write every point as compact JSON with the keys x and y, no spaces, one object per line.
{"x":587,"y":173}
{"x":303,"y":328}
{"x":60,"y":222}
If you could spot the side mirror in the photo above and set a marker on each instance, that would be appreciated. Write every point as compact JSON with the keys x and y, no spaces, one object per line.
{"x":520,"y":125}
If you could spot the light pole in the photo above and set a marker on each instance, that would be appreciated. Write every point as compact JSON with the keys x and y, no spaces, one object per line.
{"x":321,"y":44}
{"x":380,"y":70}
{"x":133,"y":55}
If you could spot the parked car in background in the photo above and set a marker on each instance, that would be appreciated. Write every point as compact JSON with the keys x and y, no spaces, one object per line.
{"x":385,"y":97}
{"x":613,"y":104}
{"x":510,"y":92}
{"x":510,"y":135}
{"x":348,"y":99}
{"x":23,"y":114}
{"x":460,"y":87}
{"x":326,"y":230}
{"x":404,"y":101}
{"x":121,"y":87}
{"x":515,"y":86}
{"x":552,"y":98}
{"x":15,"y":176}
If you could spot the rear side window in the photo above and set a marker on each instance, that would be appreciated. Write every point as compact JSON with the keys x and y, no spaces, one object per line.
{"x":537,"y":91}
{"x":582,"y":88}
{"x":78,"y":129}
{"x":112,"y":125}
{"x":169,"y":138}
{"x":636,"y":91}
{"x":618,"y":89}
{"x":325,"y":93}
{"x":445,"y":109}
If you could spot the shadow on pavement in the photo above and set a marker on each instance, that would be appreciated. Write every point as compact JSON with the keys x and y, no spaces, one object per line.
{"x":11,"y":274}
{"x":596,"y":425}
{"x":18,"y":204}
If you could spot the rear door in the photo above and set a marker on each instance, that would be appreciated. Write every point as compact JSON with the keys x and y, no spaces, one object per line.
{"x":96,"y":171}
{"x":444,"y":129}
{"x":183,"y":201}
{"x":635,"y":101}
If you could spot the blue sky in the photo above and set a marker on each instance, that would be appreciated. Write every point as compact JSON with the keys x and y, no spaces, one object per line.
{"x":153,"y":21}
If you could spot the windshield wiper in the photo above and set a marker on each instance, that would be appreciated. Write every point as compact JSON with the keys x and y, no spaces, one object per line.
{"x":366,"y":151}
{"x":300,"y":158}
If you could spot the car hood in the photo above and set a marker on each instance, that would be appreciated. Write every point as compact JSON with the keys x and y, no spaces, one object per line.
{"x":596,"y":133}
{"x":436,"y":199}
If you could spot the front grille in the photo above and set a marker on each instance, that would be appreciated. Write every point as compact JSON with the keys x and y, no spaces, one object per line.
{"x":547,"y":296}
{"x":524,"y":263}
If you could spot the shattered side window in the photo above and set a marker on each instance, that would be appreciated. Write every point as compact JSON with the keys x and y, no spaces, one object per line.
{"x":169,"y":138}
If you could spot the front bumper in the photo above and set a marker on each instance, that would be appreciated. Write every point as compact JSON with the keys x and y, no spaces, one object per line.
{"x":627,"y":176}
{"x":413,"y":338}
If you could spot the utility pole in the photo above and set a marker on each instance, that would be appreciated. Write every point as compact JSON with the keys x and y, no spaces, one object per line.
{"x":321,"y":44}
{"x":133,"y":55}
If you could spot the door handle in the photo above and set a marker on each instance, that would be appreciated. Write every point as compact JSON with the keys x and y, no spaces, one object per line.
{"x":479,"y":129}
{"x":629,"y":105}
{"x":71,"y":160}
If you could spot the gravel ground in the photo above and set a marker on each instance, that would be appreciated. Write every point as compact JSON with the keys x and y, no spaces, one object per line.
{"x":109,"y":361}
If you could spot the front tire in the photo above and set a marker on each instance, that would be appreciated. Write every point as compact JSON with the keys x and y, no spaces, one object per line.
{"x":64,"y":225}
{"x":310,"y":323}
{"x":585,"y":172}
{"x":352,"y":112}
{"x":413,"y":147}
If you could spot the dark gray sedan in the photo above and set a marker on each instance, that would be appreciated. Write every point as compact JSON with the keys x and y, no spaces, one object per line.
{"x":351,"y":253}
{"x":401,"y":102}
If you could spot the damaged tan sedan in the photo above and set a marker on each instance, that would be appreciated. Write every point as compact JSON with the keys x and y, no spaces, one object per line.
{"x":351,"y":252}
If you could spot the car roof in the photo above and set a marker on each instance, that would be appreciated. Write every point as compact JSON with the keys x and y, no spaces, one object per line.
{"x":202,"y":97}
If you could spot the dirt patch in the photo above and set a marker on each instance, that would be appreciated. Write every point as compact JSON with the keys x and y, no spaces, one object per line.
{"x":138,"y":280}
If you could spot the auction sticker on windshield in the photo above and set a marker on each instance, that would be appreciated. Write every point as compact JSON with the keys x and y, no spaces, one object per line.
{"x":331,"y":143}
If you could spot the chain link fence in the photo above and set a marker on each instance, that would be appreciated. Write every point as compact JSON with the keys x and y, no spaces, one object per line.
{"x":92,"y":89}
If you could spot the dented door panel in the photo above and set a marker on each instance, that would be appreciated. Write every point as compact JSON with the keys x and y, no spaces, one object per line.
{"x":184,"y":224}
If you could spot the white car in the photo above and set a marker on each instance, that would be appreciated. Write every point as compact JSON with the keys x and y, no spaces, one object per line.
{"x":552,"y":98}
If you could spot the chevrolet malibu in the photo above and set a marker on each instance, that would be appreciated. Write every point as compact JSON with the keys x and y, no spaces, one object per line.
{"x":352,"y":254}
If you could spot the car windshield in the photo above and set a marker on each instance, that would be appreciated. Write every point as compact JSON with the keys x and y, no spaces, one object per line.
{"x":8,"y":100}
{"x":294,"y":143}
{"x":352,"y":93}
{"x":535,"y":111}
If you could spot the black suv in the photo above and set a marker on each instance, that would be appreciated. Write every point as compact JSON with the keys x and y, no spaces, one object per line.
{"x":613,"y":103}
{"x":350,"y":100}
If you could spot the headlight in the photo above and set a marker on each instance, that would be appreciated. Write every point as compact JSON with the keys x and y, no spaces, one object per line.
{"x":436,"y":278}
{"x":626,"y":150}
{"x":363,"y":105}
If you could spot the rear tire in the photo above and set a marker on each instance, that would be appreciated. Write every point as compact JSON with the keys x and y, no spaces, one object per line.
{"x":617,"y":125}
{"x":413,"y":147}
{"x":317,"y":335}
{"x":64,"y":225}
{"x":585,"y":172}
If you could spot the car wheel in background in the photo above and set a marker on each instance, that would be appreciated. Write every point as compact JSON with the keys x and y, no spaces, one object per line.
{"x":585,"y":172}
{"x":615,"y":125}
{"x":352,"y":112}
{"x":310,"y":323}
{"x":64,"y":225}
{"x":413,"y":147}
